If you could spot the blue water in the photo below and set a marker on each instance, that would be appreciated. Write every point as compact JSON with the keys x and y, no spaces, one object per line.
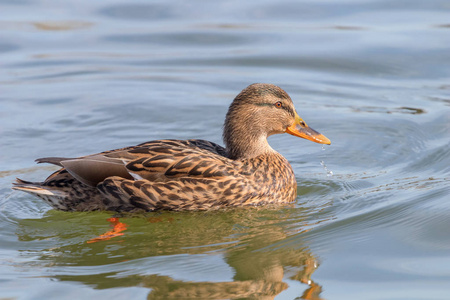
{"x":80,"y":77}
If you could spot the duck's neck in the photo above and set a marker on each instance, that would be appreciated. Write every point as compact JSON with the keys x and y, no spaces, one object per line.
{"x":245,"y":143}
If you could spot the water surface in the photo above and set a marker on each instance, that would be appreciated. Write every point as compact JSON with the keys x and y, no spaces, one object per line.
{"x":81,"y":77}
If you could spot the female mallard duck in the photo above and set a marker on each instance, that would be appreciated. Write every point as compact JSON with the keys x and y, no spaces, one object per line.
{"x":191,"y":174}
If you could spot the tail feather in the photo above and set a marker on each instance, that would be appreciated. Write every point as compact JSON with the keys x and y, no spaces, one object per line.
{"x":55,"y":198}
{"x":35,"y":188}
{"x":63,"y":192}
{"x":21,"y":181}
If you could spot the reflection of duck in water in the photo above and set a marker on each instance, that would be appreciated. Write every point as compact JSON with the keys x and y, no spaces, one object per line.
{"x":258,"y":250}
{"x":187,"y":175}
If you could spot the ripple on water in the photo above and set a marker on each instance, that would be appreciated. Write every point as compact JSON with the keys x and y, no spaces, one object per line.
{"x":141,"y":12}
{"x":8,"y":47}
{"x":188,"y":39}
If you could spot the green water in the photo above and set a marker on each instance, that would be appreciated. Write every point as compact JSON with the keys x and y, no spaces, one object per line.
{"x":81,"y":77}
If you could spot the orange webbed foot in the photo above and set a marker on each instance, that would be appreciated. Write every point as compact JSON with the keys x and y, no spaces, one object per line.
{"x":117,"y":226}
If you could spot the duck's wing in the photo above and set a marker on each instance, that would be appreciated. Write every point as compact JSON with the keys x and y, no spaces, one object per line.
{"x":153,"y":161}
{"x":168,"y":174}
{"x":165,"y":160}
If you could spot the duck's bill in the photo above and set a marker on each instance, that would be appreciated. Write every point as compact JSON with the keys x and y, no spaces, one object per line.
{"x":300,"y":129}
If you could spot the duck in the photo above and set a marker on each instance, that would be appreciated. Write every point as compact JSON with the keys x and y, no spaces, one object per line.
{"x":187,"y":175}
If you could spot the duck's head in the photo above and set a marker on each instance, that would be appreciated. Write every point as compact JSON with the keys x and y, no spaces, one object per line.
{"x":259,"y":111}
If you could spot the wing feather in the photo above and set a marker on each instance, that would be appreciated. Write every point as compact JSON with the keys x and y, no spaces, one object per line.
{"x":166,"y":159}
{"x":154,"y":161}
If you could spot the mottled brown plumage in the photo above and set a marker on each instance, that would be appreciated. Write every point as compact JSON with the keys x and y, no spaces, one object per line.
{"x":190,"y":174}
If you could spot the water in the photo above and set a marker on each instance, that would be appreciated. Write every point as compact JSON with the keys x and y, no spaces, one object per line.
{"x":80,"y":77}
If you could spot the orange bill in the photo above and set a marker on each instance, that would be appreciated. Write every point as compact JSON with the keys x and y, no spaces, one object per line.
{"x":300,"y":129}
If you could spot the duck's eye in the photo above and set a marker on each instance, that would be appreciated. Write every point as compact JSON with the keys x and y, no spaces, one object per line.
{"x":278,"y":104}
